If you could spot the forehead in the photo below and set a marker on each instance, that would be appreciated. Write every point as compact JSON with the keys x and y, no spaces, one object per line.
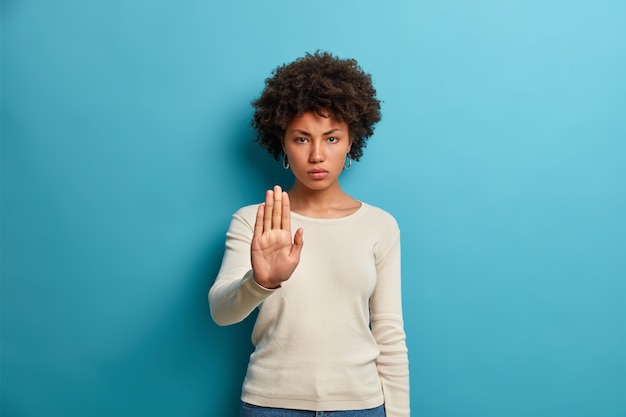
{"x":313,"y":121}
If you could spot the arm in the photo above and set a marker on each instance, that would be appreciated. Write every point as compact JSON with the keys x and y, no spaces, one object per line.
{"x":256,"y":260}
{"x":235,"y":293}
{"x":388,"y":330}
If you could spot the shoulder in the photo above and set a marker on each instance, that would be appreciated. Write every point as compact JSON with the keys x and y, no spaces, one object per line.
{"x":382,"y":227}
{"x":247,"y":211}
{"x":246,"y":214}
{"x":379,"y":216}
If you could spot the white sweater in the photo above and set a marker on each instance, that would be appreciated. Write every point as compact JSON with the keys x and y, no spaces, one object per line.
{"x":331,"y":337}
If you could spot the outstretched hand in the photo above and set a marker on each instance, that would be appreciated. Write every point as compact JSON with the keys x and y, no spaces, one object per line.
{"x":273,"y":253}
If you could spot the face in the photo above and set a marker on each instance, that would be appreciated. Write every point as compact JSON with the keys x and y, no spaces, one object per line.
{"x":316,"y":148}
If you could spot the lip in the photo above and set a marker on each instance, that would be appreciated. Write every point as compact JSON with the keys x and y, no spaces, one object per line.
{"x":317,"y":174}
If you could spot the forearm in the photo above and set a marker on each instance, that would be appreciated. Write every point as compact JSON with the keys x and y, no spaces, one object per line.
{"x":388,"y":329}
{"x":393,"y":370}
{"x":231,"y":301}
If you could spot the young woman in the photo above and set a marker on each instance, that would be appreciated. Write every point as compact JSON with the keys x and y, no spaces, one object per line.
{"x":322,"y":267}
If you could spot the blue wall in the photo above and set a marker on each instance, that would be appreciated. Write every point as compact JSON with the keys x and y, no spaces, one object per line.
{"x":126,"y":147}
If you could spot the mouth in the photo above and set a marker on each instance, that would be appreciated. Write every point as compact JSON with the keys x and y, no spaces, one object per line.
{"x":317,"y":174}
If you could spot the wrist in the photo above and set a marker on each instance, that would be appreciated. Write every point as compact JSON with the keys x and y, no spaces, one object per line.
{"x":267,"y":284}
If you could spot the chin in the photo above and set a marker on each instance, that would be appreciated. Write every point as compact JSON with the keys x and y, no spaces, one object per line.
{"x":316,"y":186}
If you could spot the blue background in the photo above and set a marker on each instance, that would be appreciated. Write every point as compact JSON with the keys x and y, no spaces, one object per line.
{"x":126,"y":147}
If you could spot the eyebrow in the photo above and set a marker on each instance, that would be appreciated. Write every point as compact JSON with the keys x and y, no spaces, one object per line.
{"x":305,"y":133}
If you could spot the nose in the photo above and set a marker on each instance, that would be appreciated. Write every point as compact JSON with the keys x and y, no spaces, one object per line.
{"x":316,"y":155}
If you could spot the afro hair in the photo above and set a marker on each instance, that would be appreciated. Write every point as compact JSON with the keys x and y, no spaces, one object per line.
{"x":317,"y":82}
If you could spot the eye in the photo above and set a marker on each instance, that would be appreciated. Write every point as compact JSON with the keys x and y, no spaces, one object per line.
{"x":300,"y":140}
{"x":333,"y":139}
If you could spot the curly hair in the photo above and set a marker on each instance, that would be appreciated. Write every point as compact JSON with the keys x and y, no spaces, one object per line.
{"x":317,"y":82}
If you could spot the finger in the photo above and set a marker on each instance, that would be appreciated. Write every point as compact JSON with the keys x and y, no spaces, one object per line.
{"x":277,"y":210}
{"x":286,"y":213}
{"x":267,"y":215}
{"x":298,"y":243}
{"x":258,"y":224}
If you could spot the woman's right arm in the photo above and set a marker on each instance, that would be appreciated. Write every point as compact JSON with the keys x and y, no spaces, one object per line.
{"x":235,"y":293}
{"x":257,"y":259}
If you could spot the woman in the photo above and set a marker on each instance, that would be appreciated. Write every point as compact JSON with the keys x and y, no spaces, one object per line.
{"x":329,"y":335}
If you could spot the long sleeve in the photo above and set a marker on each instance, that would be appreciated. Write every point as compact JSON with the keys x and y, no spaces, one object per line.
{"x":331,"y":337}
{"x":235,"y":293}
{"x":388,"y":330}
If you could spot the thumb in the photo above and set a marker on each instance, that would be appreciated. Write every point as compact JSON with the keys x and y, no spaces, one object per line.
{"x":298,"y":242}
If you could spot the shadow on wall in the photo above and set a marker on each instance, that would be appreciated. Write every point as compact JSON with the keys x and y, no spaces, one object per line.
{"x":265,"y":169}
{"x":258,"y":171}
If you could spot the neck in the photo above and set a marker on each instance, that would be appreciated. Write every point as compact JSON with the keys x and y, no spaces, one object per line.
{"x":328,"y":203}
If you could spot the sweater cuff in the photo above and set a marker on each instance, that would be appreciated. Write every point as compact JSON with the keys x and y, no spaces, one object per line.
{"x":254,"y":288}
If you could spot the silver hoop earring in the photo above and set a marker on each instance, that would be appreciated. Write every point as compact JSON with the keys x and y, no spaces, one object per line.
{"x":285,"y":161}
{"x":348,"y":163}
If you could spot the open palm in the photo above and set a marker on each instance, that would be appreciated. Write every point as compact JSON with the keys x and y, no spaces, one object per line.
{"x":273,"y":253}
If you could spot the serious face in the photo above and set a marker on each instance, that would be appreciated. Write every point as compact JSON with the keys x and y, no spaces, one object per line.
{"x":316,"y":147}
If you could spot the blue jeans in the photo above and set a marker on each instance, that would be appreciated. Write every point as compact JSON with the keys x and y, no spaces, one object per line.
{"x":249,"y":410}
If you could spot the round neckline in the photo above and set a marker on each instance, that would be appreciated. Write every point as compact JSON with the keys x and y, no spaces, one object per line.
{"x":329,"y":219}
